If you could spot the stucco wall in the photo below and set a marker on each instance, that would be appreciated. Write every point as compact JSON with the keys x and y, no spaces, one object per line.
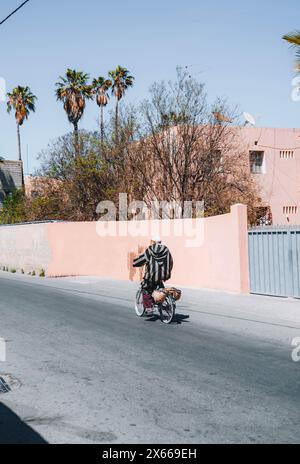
{"x":218,"y":261}
{"x":25,"y":247}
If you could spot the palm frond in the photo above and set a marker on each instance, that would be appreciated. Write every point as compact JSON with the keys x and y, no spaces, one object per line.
{"x":293,"y":38}
{"x":72,"y":90}
{"x":121,"y":81}
{"x":23,"y":101}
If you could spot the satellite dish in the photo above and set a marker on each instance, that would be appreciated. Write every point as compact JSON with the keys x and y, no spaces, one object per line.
{"x":249,"y":119}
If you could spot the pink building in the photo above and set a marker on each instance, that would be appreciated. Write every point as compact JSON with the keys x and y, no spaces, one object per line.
{"x":274,"y":156}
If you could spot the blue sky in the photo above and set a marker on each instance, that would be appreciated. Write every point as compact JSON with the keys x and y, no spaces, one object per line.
{"x":235,"y":48}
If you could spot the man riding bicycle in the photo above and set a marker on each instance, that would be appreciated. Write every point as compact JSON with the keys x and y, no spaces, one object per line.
{"x":158,"y":263}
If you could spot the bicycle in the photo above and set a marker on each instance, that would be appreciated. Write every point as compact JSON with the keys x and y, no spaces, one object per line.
{"x":166,"y":309}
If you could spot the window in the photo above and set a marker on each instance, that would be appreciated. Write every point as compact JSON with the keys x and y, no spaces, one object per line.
{"x":287,"y":154}
{"x":288,"y":210}
{"x":256,"y":162}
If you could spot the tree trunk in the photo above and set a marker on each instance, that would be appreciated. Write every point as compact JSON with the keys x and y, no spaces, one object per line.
{"x":102,"y":126}
{"x":76,"y":140}
{"x":19,"y":142}
{"x":117,"y":121}
{"x":20,"y":156}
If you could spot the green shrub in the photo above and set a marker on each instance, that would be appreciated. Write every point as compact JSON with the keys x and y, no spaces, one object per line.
{"x":14,"y":209}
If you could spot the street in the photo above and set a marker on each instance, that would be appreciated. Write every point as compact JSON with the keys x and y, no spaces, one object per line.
{"x":92,"y":372}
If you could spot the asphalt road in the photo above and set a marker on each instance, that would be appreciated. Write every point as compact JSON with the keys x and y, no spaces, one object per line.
{"x":92,"y":372}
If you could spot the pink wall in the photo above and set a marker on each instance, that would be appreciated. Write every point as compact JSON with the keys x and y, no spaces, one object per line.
{"x":280,"y":181}
{"x":219,"y":261}
{"x":25,"y":247}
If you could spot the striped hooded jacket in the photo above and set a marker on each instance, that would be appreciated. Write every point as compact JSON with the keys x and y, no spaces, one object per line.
{"x":158,"y":261}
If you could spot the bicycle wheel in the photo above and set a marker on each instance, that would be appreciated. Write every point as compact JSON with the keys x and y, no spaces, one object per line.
{"x":139,"y":304}
{"x":167,"y":310}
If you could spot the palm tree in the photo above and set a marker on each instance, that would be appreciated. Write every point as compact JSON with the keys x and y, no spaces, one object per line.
{"x":294,"y":39}
{"x":73,"y":90}
{"x":101,"y":87}
{"x":22,"y":100}
{"x":121,"y":81}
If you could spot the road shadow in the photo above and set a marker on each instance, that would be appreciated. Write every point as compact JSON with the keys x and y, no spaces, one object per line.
{"x":13,"y":431}
{"x":178,"y":319}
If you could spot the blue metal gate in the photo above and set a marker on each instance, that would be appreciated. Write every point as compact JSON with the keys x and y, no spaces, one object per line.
{"x":274,"y":260}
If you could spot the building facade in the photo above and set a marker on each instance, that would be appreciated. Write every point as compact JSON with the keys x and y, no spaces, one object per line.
{"x":274,"y":161}
{"x":10,"y":178}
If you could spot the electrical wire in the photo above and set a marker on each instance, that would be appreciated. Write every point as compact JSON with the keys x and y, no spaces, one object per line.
{"x":276,"y":167}
{"x":293,"y":179}
{"x":295,"y":202}
{"x":278,"y":148}
{"x":13,"y":12}
{"x":274,"y":176}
